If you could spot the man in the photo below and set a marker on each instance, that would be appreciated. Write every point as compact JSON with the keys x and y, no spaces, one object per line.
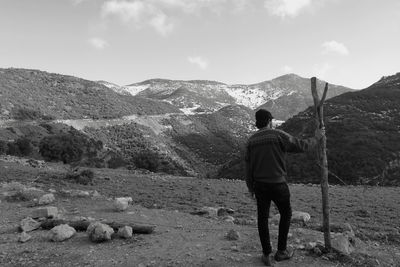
{"x":266,"y":178}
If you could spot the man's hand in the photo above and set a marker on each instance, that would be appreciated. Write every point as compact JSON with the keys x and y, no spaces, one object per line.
{"x":320,"y":133}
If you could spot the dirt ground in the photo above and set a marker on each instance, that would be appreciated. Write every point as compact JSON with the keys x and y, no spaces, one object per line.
{"x":182,"y":239}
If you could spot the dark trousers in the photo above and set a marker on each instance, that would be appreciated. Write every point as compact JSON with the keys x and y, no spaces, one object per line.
{"x":280,"y":195}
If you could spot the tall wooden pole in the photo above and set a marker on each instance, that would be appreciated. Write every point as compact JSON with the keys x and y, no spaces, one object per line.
{"x":323,"y":160}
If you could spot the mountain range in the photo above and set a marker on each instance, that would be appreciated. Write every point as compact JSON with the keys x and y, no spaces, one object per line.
{"x":199,"y":128}
{"x":284,"y":96}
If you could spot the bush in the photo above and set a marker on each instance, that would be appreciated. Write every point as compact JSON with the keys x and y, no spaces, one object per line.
{"x":148,"y":160}
{"x":69,"y":147}
{"x":84,"y":177}
{"x":25,"y":146}
{"x":3,"y":147}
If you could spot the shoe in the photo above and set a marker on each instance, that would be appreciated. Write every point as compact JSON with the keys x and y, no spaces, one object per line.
{"x":282,"y":255}
{"x":266,"y":259}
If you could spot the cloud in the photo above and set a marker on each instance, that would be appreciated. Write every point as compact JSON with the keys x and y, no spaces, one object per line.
{"x":335,"y":47}
{"x":77,"y":2}
{"x":287,"y":69}
{"x":139,"y":13}
{"x":162,"y":15}
{"x":98,"y":43}
{"x":199,"y":61}
{"x":286,"y":8}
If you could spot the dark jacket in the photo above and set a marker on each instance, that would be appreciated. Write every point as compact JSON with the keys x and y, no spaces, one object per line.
{"x":266,"y":155}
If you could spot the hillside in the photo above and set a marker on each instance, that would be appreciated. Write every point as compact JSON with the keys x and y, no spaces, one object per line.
{"x":285,"y":96}
{"x":33,"y":94}
{"x":363,"y":138}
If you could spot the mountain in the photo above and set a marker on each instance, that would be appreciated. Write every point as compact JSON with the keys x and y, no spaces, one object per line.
{"x":284,"y":96}
{"x":34,"y":94}
{"x":363,"y":138}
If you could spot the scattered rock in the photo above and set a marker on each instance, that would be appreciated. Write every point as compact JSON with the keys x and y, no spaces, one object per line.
{"x":342,"y":244}
{"x":311,"y":245}
{"x":297,"y":216}
{"x":46,"y":199}
{"x":99,"y":232}
{"x":28,"y":224}
{"x":121,"y":203}
{"x":75,"y":193}
{"x":45,"y":212}
{"x":233,"y":235}
{"x":24,"y":237}
{"x":61,"y":232}
{"x":95,"y":194}
{"x":224,"y":211}
{"x":229,"y":219}
{"x":125,"y":232}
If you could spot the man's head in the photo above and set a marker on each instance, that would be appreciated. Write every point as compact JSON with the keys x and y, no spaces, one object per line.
{"x":263,"y":118}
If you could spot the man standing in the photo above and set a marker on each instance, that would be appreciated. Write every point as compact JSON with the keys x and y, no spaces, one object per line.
{"x":266,"y":178}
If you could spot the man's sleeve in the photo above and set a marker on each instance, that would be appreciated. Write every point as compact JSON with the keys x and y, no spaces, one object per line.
{"x":297,"y":145}
{"x":248,"y":172}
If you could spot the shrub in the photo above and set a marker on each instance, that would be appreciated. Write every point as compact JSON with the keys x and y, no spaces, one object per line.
{"x":3,"y":147}
{"x":148,"y":160}
{"x":24,"y":146}
{"x":69,"y":147}
{"x":84,"y":177}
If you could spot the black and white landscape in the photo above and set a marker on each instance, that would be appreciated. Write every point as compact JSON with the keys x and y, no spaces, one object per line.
{"x":123,"y":125}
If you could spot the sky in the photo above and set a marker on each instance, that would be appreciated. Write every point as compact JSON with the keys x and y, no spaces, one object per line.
{"x":347,"y":42}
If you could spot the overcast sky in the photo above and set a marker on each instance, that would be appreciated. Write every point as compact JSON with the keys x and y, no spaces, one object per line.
{"x":347,"y":42}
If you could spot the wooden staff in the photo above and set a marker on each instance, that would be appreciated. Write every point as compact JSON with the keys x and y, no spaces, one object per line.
{"x":323,"y":160}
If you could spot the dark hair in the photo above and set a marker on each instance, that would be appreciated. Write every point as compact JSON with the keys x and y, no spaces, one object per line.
{"x":263,"y":117}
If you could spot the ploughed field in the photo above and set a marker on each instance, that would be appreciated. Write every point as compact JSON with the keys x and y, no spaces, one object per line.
{"x":167,"y":201}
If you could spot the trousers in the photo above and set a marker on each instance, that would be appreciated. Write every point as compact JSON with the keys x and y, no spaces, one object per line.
{"x":278,"y":193}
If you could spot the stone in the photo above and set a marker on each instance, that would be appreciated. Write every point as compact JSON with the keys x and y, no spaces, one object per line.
{"x":46,"y":199}
{"x":75,"y":193}
{"x":24,"y":237}
{"x":297,"y":216}
{"x":233,"y":235}
{"x":311,"y":245}
{"x":229,"y":219}
{"x":342,"y":244}
{"x":28,"y":224}
{"x":99,"y":232}
{"x":95,"y":194}
{"x":45,"y":212}
{"x":125,"y":232}
{"x":300,"y":216}
{"x":121,"y":204}
{"x":61,"y":233}
{"x":224,"y":211}
{"x":210,"y":211}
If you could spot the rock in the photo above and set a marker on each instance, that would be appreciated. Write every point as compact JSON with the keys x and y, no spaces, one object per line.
{"x":61,"y":232}
{"x":311,"y":245}
{"x":229,"y":219}
{"x":99,"y":232}
{"x":224,"y":211}
{"x":210,"y":211}
{"x":342,"y":244}
{"x":28,"y":224}
{"x":24,"y":237}
{"x":75,"y":193}
{"x":121,"y":204}
{"x":297,"y":216}
{"x":95,"y":194}
{"x":125,"y":232}
{"x":233,"y":235}
{"x":45,"y":212}
{"x":46,"y":199}
{"x":317,"y":251}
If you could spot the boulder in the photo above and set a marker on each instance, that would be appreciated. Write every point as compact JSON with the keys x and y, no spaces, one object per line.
{"x":210,"y":211}
{"x":46,"y":199}
{"x":45,"y":212}
{"x":342,"y":244}
{"x":24,"y":237}
{"x":229,"y":219}
{"x":61,"y":232}
{"x":121,"y":204}
{"x":28,"y":224}
{"x":125,"y":232}
{"x":99,"y":232}
{"x":233,"y":235}
{"x":224,"y":211}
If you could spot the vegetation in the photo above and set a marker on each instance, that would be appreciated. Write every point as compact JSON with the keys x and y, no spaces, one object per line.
{"x":69,"y":147}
